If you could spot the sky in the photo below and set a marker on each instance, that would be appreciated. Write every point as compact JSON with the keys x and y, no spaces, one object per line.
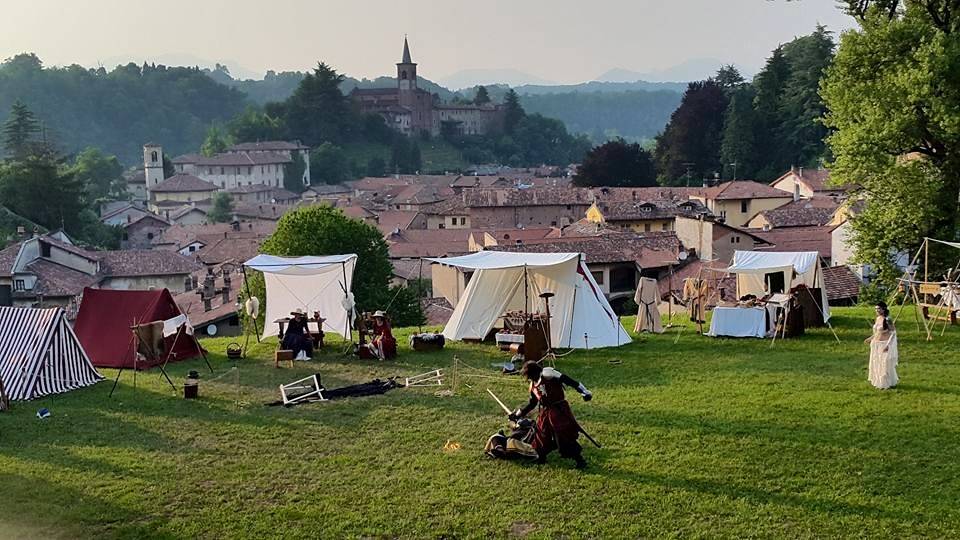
{"x":562,"y":41}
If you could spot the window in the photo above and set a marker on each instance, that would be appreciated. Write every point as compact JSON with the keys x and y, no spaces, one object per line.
{"x":744,"y":206}
{"x":463,"y":221}
{"x":19,"y":285}
{"x":774,"y":281}
{"x":124,"y":236}
{"x":221,"y":170}
{"x":262,"y":169}
{"x":153,"y":156}
{"x":666,"y":226}
{"x":553,"y":223}
{"x":723,"y":214}
{"x":249,"y":171}
{"x":149,"y":236}
{"x":44,"y":249}
{"x":193,"y":248}
{"x":646,"y":227}
{"x":598,"y":277}
{"x":734,"y":239}
{"x":441,"y":226}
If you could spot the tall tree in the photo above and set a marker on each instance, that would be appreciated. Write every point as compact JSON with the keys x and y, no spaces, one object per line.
{"x":293,"y":173}
{"x":100,"y":175}
{"x":221,"y":211}
{"x":19,"y":131}
{"x":690,"y":143}
{"x":729,"y":77}
{"x":318,"y":112}
{"x":329,"y":165}
{"x":42,"y":189}
{"x":738,"y":148}
{"x":617,"y":163}
{"x":893,"y":102}
{"x":215,"y":143}
{"x":801,"y":107}
{"x":482,"y":97}
{"x":513,"y":111}
{"x":254,"y":125}
{"x":769,"y":87}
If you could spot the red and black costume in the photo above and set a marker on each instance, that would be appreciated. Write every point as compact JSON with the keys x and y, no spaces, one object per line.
{"x":556,"y":426}
{"x":383,"y":340}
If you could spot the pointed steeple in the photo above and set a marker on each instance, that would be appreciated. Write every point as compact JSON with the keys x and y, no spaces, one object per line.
{"x":406,"y":52}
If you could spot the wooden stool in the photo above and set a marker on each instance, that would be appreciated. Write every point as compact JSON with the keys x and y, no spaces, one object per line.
{"x":282,"y":355}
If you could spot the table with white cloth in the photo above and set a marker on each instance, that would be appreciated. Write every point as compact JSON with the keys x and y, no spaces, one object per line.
{"x":739,"y":322}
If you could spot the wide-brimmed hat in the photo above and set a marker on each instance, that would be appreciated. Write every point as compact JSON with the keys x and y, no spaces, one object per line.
{"x":298,"y":311}
{"x":379,"y":313}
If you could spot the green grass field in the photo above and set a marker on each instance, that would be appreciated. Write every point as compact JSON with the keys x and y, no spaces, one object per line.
{"x":702,"y":438}
{"x":437,"y":156}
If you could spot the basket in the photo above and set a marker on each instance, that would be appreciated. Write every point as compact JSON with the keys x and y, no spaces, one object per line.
{"x":234,"y":351}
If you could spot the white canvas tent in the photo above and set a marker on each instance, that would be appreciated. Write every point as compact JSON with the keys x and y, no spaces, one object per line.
{"x":309,"y":283}
{"x":798,"y":267}
{"x":513,"y":281}
{"x":40,"y":355}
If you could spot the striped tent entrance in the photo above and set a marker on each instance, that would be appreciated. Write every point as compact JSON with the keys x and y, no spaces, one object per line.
{"x":40,"y":355}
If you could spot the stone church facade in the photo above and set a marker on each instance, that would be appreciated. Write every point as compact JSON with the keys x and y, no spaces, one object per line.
{"x":412,"y":110}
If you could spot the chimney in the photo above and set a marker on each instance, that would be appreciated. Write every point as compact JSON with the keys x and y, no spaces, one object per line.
{"x":235,"y":225}
{"x":226,"y":288}
{"x":206,"y":304}
{"x":187,"y":284}
{"x":801,"y":172}
{"x":208,"y":285}
{"x":21,"y":231}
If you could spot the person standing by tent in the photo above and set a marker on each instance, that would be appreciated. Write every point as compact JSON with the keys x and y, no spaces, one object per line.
{"x":296,"y":337}
{"x":883,"y":350}
{"x":556,"y":426}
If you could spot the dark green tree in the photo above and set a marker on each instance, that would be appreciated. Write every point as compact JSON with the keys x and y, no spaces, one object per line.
{"x":254,"y":125}
{"x":376,"y":167}
{"x":482,"y":97}
{"x":692,"y":138}
{"x":329,"y":165}
{"x":318,"y":112}
{"x":513,"y":111}
{"x":41,"y":188}
{"x":416,"y":161}
{"x":216,"y":142}
{"x":769,"y":87}
{"x":617,"y":163}
{"x":293,"y":174}
{"x":801,"y":108}
{"x":322,"y":230}
{"x":221,"y":211}
{"x":729,"y":77}
{"x":19,"y":131}
{"x":400,"y":156}
{"x":100,"y":175}
{"x":738,"y":148}
{"x":168,"y":168}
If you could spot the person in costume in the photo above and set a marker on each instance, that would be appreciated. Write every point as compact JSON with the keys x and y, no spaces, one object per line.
{"x":296,"y":337}
{"x":383,"y":345}
{"x":557,"y":429}
{"x":884,"y":355}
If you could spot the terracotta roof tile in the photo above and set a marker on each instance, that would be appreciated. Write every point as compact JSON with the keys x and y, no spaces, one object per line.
{"x":183,"y":182}
{"x":744,"y":189}
{"x":798,"y":239}
{"x":267,"y":146}
{"x":136,"y":262}
{"x":647,"y":251}
{"x":802,"y":213}
{"x":57,"y":280}
{"x":243,"y":159}
{"x":842,"y":283}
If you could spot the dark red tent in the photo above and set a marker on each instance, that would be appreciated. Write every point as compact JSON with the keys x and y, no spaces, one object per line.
{"x":104,"y":321}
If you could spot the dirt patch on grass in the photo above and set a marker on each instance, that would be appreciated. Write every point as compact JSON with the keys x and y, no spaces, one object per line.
{"x":519,"y":529}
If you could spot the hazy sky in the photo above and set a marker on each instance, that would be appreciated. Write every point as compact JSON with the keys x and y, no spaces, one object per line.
{"x":558,"y":40}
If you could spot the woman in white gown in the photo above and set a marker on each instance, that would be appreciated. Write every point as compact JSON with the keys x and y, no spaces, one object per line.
{"x":883,"y":350}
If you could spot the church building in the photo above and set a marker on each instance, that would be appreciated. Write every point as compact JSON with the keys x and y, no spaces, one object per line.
{"x":412,"y":110}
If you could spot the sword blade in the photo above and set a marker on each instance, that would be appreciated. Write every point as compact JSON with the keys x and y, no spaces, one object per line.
{"x":502,"y":406}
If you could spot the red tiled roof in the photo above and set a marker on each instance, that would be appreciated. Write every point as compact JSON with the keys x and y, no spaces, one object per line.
{"x":391,"y":220}
{"x":842,"y":283}
{"x":54,"y":279}
{"x":437,"y":311}
{"x":411,"y":268}
{"x":267,"y":146}
{"x":8,"y":256}
{"x":744,"y":189}
{"x":183,"y":182}
{"x":187,"y":159}
{"x":191,"y":304}
{"x":242,"y":159}
{"x":230,"y":249}
{"x":802,"y":213}
{"x":647,"y":251}
{"x":798,"y":239}
{"x":137,"y":262}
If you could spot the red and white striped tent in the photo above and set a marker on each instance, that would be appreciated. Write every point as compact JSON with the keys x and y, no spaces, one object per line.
{"x":40,"y":355}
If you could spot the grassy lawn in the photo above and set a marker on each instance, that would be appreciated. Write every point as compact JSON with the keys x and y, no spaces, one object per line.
{"x":702,"y":438}
{"x":437,"y":156}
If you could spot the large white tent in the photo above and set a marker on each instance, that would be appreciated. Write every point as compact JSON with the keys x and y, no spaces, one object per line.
{"x":581,"y":315}
{"x":753,"y":269}
{"x":308,"y":283}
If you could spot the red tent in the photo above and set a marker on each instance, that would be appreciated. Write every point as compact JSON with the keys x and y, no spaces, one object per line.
{"x":106,"y":315}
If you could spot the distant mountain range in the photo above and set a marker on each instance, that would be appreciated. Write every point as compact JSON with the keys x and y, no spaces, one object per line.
{"x":695,"y":69}
{"x":468,"y":78}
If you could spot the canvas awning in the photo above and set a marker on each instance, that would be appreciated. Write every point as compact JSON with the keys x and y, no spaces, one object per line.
{"x":798,"y":268}
{"x":501,"y":282}
{"x":311,"y":283}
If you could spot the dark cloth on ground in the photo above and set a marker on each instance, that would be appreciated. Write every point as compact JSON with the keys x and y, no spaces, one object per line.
{"x":371,"y":388}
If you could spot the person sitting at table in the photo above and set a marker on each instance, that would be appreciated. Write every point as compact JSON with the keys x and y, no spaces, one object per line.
{"x":383,"y":345}
{"x":296,"y":337}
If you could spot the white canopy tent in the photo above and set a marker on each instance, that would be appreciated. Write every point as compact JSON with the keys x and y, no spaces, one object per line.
{"x":309,"y":283}
{"x":754,"y":268}
{"x":581,"y":316}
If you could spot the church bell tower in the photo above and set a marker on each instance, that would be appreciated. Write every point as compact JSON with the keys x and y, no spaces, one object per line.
{"x":406,"y":71}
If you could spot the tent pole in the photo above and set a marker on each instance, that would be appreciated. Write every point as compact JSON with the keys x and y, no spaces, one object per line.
{"x":246,"y":286}
{"x":115,"y":381}
{"x":526,"y":294}
{"x":420,"y":294}
{"x":346,"y":295}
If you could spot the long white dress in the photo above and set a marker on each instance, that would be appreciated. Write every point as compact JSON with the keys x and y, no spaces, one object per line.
{"x":883,"y":364}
